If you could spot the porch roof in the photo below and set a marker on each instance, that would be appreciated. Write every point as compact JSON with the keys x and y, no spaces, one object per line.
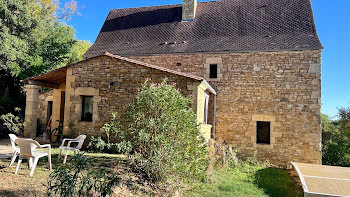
{"x":53,"y":78}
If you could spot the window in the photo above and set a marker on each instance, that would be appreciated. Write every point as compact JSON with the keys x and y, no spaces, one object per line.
{"x":87,"y":109}
{"x":263,"y":132}
{"x":213,"y":71}
{"x":206,"y":101}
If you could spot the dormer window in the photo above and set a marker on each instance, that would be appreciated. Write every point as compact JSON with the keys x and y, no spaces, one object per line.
{"x":213,"y":71}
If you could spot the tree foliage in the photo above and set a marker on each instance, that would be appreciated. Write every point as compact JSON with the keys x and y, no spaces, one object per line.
{"x":34,"y":38}
{"x":17,"y":25}
{"x":344,"y":114}
{"x":335,"y":139}
{"x":14,"y":122}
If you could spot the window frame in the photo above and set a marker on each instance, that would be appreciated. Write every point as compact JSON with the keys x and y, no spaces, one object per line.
{"x":269,"y":133}
{"x":83,"y":118}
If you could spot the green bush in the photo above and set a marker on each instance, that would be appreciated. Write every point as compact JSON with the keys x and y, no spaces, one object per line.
{"x":81,"y":179}
{"x":96,"y":145}
{"x":15,"y":123}
{"x":160,"y":128}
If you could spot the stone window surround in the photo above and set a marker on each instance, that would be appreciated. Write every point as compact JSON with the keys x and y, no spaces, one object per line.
{"x":208,"y":62}
{"x":83,"y":103}
{"x":87,"y":91}
{"x":252,"y":130}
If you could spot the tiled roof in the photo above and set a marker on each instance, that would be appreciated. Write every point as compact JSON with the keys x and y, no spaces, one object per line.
{"x":59,"y":75}
{"x":219,"y":26}
{"x":154,"y":67}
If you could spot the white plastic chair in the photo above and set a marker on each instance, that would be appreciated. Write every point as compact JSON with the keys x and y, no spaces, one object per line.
{"x":13,"y":139}
{"x":27,"y":150}
{"x":80,"y":140}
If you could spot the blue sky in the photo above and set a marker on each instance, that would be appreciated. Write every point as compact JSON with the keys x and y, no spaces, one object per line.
{"x":332,"y":22}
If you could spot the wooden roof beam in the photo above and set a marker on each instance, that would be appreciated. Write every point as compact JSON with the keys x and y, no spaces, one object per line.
{"x":43,"y":84}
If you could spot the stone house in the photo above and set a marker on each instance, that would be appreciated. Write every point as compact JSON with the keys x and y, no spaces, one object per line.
{"x":253,"y":67}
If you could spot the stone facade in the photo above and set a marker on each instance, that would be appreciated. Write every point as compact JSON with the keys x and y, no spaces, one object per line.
{"x":281,"y":87}
{"x":93,"y":78}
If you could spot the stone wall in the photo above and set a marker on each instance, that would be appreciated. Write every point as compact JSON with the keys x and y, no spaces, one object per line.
{"x":44,"y":98}
{"x":281,"y":87}
{"x":93,"y":78}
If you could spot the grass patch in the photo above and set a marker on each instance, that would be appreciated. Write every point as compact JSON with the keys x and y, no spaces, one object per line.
{"x":249,"y":180}
{"x":276,"y":182}
{"x":242,"y":180}
{"x":24,"y":185}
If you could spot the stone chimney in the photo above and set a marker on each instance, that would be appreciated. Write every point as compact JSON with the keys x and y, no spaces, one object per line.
{"x":189,"y":8}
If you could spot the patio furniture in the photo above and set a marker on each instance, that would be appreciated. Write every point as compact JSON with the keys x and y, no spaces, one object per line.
{"x":27,"y":150}
{"x":13,"y":139}
{"x":80,"y":140}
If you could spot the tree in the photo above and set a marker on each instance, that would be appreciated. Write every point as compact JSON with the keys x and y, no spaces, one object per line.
{"x":344,"y":114}
{"x":77,"y":51}
{"x":34,"y":39}
{"x":16,"y":27}
{"x":335,"y":142}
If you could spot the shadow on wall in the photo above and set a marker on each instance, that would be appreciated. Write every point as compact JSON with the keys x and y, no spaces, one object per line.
{"x":277,"y":182}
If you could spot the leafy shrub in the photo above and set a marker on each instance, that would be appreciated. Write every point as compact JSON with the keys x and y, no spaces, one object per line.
{"x":81,"y":179}
{"x":161,"y":129}
{"x":118,"y":148}
{"x":96,"y":145}
{"x":111,"y":128}
{"x":15,"y":123}
{"x":222,"y":154}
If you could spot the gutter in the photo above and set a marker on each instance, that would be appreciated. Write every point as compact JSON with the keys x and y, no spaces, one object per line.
{"x":214,"y":119}
{"x":211,"y":90}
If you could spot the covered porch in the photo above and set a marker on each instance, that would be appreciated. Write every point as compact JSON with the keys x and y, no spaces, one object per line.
{"x":56,"y":80}
{"x":68,"y":95}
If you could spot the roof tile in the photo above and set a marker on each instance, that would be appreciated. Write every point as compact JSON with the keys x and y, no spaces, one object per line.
{"x":219,"y":26}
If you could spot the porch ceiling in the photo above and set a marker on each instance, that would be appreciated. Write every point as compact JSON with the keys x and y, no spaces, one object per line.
{"x":51,"y":79}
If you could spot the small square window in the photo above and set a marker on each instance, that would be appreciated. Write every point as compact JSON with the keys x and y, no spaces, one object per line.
{"x":263,"y":132}
{"x":87,"y":109}
{"x":213,"y":71}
